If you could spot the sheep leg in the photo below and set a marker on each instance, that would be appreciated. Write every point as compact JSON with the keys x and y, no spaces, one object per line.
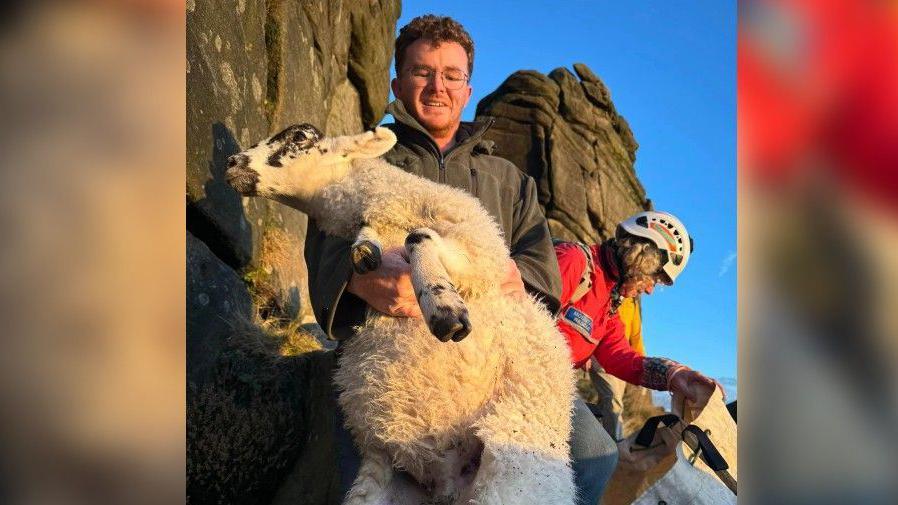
{"x":519,"y":475}
{"x":373,"y":480}
{"x":525,"y":431}
{"x":442,"y":306}
{"x":365,"y":251}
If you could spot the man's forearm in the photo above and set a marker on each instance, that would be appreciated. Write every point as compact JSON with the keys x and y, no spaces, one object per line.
{"x":327,"y":258}
{"x":532,"y":249}
{"x":537,"y":282}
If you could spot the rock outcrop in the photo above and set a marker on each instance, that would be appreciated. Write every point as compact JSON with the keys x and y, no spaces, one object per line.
{"x":215,"y":296}
{"x":254,"y":67}
{"x":255,"y":416}
{"x":564,"y":131}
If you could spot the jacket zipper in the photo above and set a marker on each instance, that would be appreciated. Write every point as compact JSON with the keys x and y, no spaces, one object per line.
{"x":474,"y":181}
{"x":441,"y":160}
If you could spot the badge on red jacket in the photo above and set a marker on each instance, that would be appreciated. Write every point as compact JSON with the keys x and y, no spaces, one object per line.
{"x":579,"y":321}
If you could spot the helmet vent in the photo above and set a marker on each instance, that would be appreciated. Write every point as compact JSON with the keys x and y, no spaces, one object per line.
{"x":676,"y":258}
{"x":642,"y":221}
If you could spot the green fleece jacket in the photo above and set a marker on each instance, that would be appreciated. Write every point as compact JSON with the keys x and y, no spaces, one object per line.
{"x":508,"y":194}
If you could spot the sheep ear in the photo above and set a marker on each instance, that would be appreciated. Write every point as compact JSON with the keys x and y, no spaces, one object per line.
{"x":372,"y":143}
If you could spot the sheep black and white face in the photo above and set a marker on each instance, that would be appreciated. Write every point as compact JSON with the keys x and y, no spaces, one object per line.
{"x":254,"y":167}
{"x":298,"y":161}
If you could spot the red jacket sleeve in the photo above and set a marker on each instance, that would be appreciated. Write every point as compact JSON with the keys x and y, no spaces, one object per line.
{"x":615,"y":354}
{"x":572,"y":264}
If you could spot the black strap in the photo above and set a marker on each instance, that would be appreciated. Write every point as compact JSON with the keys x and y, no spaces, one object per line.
{"x":702,"y":444}
{"x":647,"y":433}
{"x":710,"y":455}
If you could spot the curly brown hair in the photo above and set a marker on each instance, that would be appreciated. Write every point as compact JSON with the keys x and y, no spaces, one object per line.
{"x":436,"y":30}
{"x":639,"y":258}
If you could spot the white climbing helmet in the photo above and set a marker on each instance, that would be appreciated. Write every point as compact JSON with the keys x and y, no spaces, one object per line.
{"x":668,"y":233}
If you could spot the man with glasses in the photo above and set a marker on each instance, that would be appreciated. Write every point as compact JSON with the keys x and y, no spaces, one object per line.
{"x":434,"y":61}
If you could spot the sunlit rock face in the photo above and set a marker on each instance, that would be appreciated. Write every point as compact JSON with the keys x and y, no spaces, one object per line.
{"x":564,"y":131}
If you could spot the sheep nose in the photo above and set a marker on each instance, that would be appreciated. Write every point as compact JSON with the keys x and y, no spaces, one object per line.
{"x":237,"y":160}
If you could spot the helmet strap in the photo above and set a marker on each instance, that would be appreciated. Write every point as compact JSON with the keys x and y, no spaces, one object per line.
{"x":616,"y":298}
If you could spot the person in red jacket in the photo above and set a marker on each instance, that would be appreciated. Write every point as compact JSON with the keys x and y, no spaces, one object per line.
{"x":648,"y":248}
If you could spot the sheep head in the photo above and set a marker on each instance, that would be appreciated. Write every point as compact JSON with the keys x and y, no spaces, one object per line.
{"x":295,"y":163}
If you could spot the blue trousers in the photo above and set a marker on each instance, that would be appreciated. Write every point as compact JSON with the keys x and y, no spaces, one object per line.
{"x":593,"y":455}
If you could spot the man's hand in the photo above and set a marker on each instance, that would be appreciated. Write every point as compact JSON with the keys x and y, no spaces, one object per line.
{"x":695,"y":386}
{"x":388,"y":289}
{"x":513,"y":285}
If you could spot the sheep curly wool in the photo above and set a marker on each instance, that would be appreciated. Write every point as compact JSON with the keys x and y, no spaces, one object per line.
{"x":483,"y":419}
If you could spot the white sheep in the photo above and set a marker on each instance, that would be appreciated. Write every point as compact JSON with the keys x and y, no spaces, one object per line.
{"x":481,"y":420}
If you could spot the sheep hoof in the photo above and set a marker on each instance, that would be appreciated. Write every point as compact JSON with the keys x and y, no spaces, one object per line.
{"x":365,"y":256}
{"x":465,"y":328}
{"x":451,"y":326}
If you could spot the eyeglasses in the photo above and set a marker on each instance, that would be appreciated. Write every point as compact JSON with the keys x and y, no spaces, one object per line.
{"x":452,"y":79}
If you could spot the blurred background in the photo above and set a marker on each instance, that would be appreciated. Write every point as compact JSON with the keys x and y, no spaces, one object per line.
{"x":92,"y":252}
{"x":92,"y":258}
{"x":818,"y":168}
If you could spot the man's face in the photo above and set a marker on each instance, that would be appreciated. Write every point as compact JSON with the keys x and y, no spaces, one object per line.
{"x":643,"y":284}
{"x":437,"y":108}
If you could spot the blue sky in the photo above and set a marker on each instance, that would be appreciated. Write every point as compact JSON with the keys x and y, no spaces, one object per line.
{"x":671,"y":70}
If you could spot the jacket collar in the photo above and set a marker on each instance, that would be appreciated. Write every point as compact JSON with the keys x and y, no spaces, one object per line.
{"x":469,"y":134}
{"x":397,"y":110}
